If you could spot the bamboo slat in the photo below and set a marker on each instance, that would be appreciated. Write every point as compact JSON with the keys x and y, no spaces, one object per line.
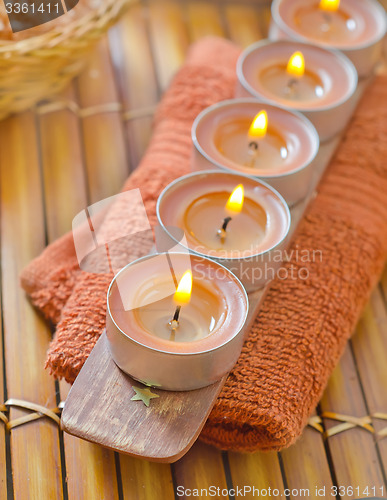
{"x":35,"y":453}
{"x":306,"y":464}
{"x":3,"y":457}
{"x":90,"y":469}
{"x":204,"y":18}
{"x":243,"y":24}
{"x":201,"y":467}
{"x":169,"y":38}
{"x":259,"y":470}
{"x":353,"y":453}
{"x":132,"y":58}
{"x":265,"y":18}
{"x":145,"y":480}
{"x":64,"y":180}
{"x":370,"y":347}
{"x":103,"y":133}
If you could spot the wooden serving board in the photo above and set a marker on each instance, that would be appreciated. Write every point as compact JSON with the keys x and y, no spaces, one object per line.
{"x":99,"y":408}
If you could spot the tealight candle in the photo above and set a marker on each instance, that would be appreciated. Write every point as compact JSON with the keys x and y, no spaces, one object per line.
{"x":250,"y":143}
{"x":319,"y":83}
{"x":201,"y":222}
{"x":293,"y":81}
{"x":238,"y":221}
{"x":354,"y":26}
{"x":259,"y":140}
{"x":173,"y":327}
{"x":326,"y":21}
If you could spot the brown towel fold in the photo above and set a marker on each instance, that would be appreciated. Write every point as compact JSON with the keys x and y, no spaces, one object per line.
{"x":304,"y":324}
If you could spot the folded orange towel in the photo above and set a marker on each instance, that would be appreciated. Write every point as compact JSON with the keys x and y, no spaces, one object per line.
{"x":303,"y":326}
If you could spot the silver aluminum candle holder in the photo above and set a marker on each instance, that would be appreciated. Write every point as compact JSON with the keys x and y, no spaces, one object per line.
{"x":330,"y":111}
{"x":367,"y":20}
{"x":291,"y":174}
{"x":254,"y":265}
{"x":140,"y":305}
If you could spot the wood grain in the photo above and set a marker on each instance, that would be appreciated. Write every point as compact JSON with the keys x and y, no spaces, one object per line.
{"x":145,"y":480}
{"x":106,"y":415}
{"x":103,"y":134}
{"x":344,"y":394}
{"x":306,"y":464}
{"x":169,"y":38}
{"x":369,"y":348}
{"x":201,"y":467}
{"x":81,"y":163}
{"x":26,"y":335}
{"x":132,"y":58}
{"x":243,"y":24}
{"x":3,"y":454}
{"x":64,"y":182}
{"x":204,"y":18}
{"x":259,"y":470}
{"x":90,"y":470}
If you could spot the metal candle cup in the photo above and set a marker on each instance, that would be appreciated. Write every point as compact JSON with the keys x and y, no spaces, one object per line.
{"x":337,"y":77}
{"x":255,"y":238}
{"x":214,"y":318}
{"x":288,"y":167}
{"x":360,"y":38}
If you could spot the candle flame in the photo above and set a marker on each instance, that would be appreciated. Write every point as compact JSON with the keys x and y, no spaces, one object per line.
{"x":235,"y":202}
{"x":184,"y":288}
{"x":258,"y":127}
{"x":296,"y":65}
{"x":330,"y":5}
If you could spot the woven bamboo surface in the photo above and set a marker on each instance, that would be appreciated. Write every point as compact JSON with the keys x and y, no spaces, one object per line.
{"x":78,"y":149}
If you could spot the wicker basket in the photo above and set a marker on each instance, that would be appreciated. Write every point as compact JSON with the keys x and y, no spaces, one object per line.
{"x":35,"y":68}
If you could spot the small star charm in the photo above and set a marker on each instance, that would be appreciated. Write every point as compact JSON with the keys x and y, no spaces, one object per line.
{"x":144,"y":395}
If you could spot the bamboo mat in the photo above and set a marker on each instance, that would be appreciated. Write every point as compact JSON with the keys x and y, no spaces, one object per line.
{"x":78,"y":149}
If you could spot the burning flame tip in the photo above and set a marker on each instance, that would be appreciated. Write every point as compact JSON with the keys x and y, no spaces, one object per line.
{"x":235,"y":201}
{"x":258,"y":127}
{"x":296,"y":64}
{"x":330,"y":5}
{"x":184,"y":288}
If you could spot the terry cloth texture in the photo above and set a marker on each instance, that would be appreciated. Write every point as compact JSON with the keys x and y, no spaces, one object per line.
{"x":303,"y":325}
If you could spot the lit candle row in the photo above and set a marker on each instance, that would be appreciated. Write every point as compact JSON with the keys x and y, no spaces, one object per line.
{"x":356,"y":27}
{"x":175,"y":320}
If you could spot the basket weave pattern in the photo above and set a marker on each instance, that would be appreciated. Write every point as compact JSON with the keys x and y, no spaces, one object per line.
{"x":37,"y":67}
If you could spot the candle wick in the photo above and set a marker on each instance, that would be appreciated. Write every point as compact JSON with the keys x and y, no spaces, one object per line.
{"x":253,"y":153}
{"x":327,"y":17}
{"x":328,"y":22}
{"x":177,"y":314}
{"x":222,"y":231}
{"x":291,"y":87}
{"x":174,"y":323}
